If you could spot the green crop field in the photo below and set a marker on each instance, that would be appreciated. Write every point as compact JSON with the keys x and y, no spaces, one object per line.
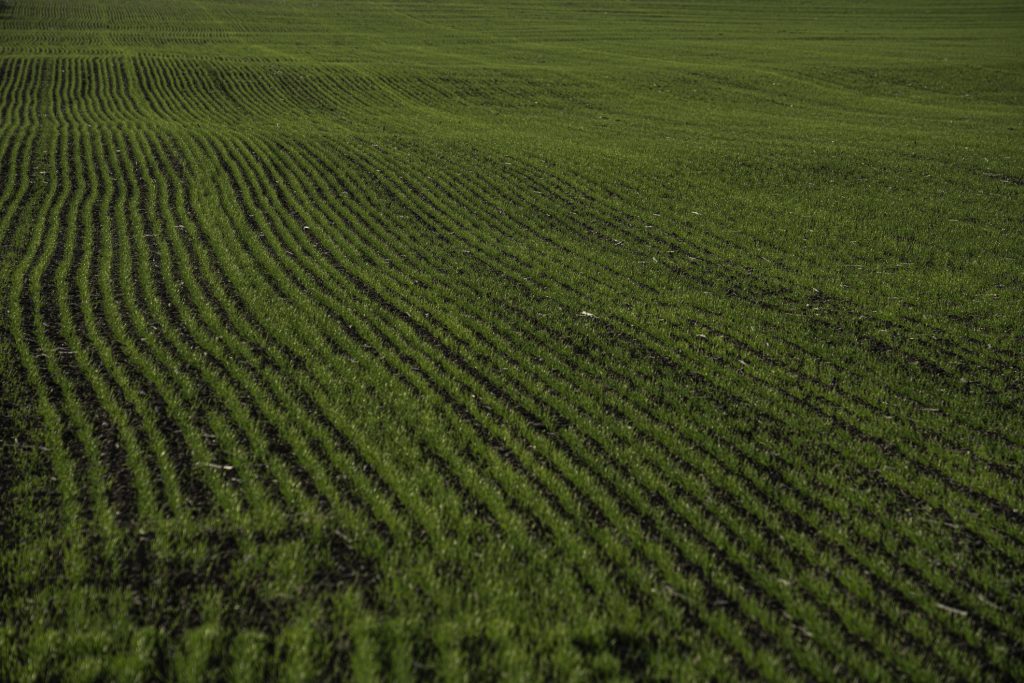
{"x":530,"y":340}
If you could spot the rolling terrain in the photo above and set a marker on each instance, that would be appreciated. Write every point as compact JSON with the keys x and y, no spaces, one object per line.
{"x":557,"y":340}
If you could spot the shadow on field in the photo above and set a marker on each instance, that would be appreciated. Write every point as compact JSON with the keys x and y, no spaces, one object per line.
{"x":254,"y":569}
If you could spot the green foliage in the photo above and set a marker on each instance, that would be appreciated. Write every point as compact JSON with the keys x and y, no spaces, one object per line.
{"x":511,"y":341}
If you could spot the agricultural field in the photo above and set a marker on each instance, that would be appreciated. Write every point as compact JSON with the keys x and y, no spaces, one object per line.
{"x":533,"y":340}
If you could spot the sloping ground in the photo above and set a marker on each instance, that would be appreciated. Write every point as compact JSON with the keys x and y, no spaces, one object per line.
{"x":565,"y":340}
